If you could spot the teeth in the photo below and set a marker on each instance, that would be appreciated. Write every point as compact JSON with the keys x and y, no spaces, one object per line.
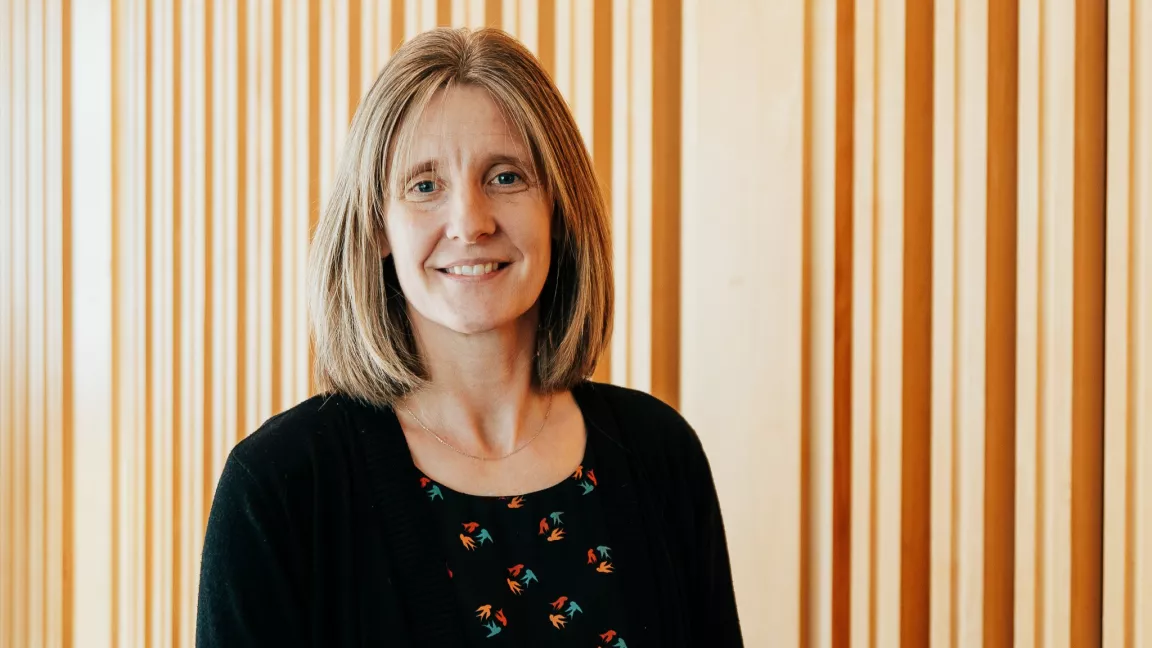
{"x":473,"y":270}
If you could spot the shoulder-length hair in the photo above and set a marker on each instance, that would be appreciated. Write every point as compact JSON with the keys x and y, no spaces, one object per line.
{"x":363,"y":340}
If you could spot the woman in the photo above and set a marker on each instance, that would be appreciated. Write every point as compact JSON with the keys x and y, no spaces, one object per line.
{"x":459,"y":482}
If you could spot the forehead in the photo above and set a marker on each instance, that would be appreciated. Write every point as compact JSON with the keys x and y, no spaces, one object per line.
{"x":464,"y":117}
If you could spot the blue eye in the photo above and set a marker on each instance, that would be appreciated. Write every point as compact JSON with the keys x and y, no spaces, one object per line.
{"x":507,"y":178}
{"x":425,"y":186}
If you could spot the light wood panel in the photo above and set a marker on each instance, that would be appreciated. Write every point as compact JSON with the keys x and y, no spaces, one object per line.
{"x":742,"y":261}
{"x":1126,"y":592}
{"x":867,"y":246}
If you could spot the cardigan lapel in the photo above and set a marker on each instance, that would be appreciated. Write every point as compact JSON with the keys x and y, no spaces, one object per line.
{"x":421,"y":578}
{"x":635,"y":528}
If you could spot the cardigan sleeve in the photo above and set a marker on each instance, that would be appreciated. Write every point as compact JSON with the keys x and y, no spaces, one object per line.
{"x":716,"y":621}
{"x":248,"y":594}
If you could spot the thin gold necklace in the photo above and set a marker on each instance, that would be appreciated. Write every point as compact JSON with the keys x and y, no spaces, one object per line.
{"x":477,"y":457}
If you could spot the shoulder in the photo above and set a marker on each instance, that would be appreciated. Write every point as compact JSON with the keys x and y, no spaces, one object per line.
{"x":645,"y":423}
{"x":292,"y":444}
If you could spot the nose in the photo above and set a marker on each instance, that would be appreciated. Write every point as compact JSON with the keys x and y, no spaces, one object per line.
{"x":470,"y":217}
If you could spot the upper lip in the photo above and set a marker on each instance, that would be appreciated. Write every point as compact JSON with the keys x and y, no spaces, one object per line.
{"x":472,"y":262}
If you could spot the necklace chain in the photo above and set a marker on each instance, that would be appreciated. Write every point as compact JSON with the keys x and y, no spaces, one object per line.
{"x":477,"y":457}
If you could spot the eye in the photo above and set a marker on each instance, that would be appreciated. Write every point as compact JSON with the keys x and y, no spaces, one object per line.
{"x":424,"y":186}
{"x":506,"y":178}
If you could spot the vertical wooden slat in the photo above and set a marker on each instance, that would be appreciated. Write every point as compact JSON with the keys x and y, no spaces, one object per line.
{"x":92,"y":381}
{"x":211,"y":326}
{"x":916,"y":451}
{"x":888,"y":316}
{"x":1088,"y":322}
{"x":820,"y":323}
{"x":276,"y":164}
{"x":862,"y":442}
{"x":666,"y":74}
{"x":1000,"y":325}
{"x":1028,"y":521}
{"x":313,"y":112}
{"x":243,"y":157}
{"x":493,"y":14}
{"x":970,"y":315}
{"x":19,"y":304}
{"x":118,"y":153}
{"x":620,"y":199}
{"x":54,"y":587}
{"x":843,"y":499}
{"x":67,"y":343}
{"x":7,"y":323}
{"x":600,"y":142}
{"x":528,"y":24}
{"x":562,"y":64}
{"x":943,"y":622}
{"x":300,"y":184}
{"x":168,"y":322}
{"x":640,"y":206}
{"x":1056,"y":308}
{"x":510,"y":16}
{"x":179,"y":336}
{"x":145,"y":125}
{"x":1119,"y":361}
{"x":546,"y":32}
{"x":1140,"y":291}
{"x":34,"y":278}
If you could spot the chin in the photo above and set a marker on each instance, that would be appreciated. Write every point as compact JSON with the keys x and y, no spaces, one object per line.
{"x":476,"y":325}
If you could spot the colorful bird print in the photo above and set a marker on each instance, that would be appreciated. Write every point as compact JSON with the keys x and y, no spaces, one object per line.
{"x":515,"y":571}
{"x":605,"y":568}
{"x":424,"y":481}
{"x":557,"y":534}
{"x":588,"y":488}
{"x":501,"y":618}
{"x":556,"y":518}
{"x":605,"y":552}
{"x":591,"y":557}
{"x":485,"y":612}
{"x":468,"y":543}
{"x":557,"y":620}
{"x":434,"y":492}
{"x":620,"y":644}
{"x":528,"y":577}
{"x":579,"y":472}
{"x":517,"y":502}
{"x":592,"y":477}
{"x":493,"y":629}
{"x":514,"y":586}
{"x":543,"y":526}
{"x":573,"y":608}
{"x":470,"y":527}
{"x":608,"y":636}
{"x":559,"y":603}
{"x":484,"y":536}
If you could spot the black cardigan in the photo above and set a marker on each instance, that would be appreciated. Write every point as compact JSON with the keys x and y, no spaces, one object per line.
{"x":316,"y":535}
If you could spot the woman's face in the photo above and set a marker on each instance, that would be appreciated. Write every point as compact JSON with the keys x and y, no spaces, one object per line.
{"x":469,"y":226}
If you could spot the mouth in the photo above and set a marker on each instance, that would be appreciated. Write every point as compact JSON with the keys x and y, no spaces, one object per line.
{"x":478,"y":270}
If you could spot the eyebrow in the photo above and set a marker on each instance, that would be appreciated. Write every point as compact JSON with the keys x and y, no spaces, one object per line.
{"x":429,"y":165}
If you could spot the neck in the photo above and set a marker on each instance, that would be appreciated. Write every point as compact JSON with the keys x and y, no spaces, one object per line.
{"x":480,"y":396}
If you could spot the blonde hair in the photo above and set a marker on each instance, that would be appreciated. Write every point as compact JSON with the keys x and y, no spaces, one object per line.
{"x":362,"y":336}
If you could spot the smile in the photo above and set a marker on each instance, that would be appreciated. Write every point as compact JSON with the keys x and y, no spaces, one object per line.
{"x":479,"y":270}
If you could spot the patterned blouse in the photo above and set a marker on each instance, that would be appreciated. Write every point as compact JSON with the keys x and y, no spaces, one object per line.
{"x":535,"y":569}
